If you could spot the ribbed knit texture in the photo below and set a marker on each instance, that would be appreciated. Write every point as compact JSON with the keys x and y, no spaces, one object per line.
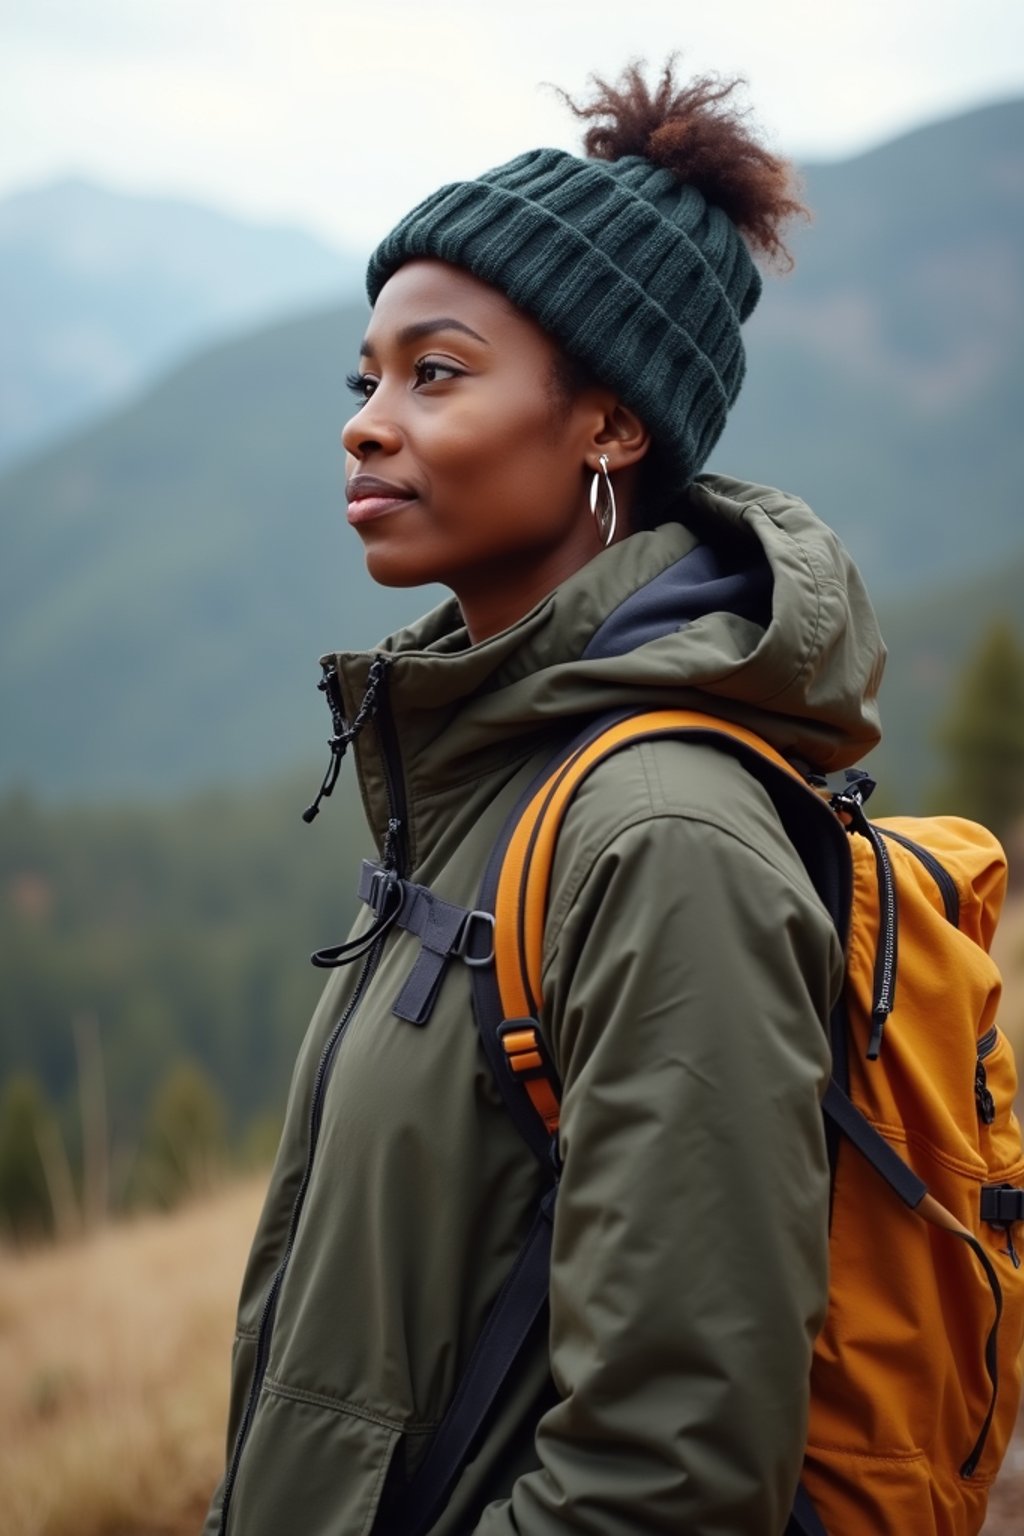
{"x":632,"y":272}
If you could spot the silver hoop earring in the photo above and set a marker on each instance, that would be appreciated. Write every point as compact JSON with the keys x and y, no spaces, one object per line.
{"x":605,"y":517}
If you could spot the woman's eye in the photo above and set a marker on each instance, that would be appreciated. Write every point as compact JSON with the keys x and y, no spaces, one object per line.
{"x":361,"y":384}
{"x":433,"y":373}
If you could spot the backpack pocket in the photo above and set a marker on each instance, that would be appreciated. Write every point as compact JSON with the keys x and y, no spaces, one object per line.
{"x":995,"y":1091}
{"x":861,"y":1495}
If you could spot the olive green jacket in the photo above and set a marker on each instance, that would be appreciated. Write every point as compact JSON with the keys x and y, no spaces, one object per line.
{"x":689,"y":970}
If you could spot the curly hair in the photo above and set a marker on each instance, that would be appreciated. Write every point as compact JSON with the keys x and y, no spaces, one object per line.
{"x":698,"y":133}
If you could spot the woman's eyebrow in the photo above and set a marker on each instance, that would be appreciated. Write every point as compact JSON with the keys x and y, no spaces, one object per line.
{"x":421,"y":328}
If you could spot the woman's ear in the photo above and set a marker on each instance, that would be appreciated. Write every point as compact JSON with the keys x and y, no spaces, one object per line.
{"x":621,"y":436}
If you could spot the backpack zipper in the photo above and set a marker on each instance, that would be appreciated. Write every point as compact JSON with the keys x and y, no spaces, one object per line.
{"x":848,"y":804}
{"x":982,"y":1095}
{"x":939,"y":873}
{"x":885,"y":973}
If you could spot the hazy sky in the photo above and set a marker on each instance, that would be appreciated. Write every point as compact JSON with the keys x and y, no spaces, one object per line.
{"x":338,"y":116}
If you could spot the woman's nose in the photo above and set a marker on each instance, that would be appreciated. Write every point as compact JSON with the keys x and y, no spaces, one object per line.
{"x":370,"y":429}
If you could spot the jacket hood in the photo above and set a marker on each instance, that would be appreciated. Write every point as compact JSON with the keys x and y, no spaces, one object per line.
{"x":761,"y":618}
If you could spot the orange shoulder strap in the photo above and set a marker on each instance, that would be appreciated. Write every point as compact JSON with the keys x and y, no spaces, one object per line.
{"x":522,"y":892}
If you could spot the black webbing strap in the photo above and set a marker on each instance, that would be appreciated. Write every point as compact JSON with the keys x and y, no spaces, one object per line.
{"x":970,"y":1466}
{"x":385,"y":907}
{"x":873,"y":1145}
{"x":509,"y":1324}
{"x":805,"y":1520}
{"x":443,"y":930}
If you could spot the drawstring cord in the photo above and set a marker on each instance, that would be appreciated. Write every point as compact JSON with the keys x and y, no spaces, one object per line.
{"x":343,"y":732}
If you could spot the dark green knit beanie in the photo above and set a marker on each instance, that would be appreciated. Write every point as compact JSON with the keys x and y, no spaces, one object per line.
{"x":635,"y":274}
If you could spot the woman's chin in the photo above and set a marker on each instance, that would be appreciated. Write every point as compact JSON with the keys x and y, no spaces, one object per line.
{"x":390,"y":568}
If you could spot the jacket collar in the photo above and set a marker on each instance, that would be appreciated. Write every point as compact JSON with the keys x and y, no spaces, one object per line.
{"x":764,"y":620}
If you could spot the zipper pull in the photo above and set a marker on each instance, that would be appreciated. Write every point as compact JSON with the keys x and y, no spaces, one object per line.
{"x":983,"y":1098}
{"x":330,"y":778}
{"x":338,"y":741}
{"x":344,"y":733}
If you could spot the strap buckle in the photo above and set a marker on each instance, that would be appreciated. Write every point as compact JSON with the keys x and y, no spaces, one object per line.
{"x":464,"y":945}
{"x":525,"y":1055}
{"x":384,"y":883}
{"x":527,"y":1059}
{"x":1001,"y":1205}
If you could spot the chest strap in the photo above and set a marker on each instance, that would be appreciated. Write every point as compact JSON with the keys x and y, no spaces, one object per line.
{"x":444,"y":931}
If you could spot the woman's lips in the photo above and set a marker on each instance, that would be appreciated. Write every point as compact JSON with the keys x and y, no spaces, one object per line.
{"x":363,"y":509}
{"x":369,"y":496}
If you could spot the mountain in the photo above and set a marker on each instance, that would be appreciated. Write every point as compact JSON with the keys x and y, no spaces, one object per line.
{"x":174,"y":573}
{"x":101,"y":290}
{"x":170,"y":575}
{"x":885,"y":373}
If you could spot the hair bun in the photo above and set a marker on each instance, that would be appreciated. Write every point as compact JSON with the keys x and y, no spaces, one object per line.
{"x":697,"y":133}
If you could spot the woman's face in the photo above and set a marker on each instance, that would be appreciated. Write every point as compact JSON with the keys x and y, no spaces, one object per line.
{"x":464,"y":466}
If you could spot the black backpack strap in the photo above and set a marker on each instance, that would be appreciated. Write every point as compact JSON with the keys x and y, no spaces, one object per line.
{"x":523,"y":1296}
{"x":805,"y":1520}
{"x":510,"y":1322}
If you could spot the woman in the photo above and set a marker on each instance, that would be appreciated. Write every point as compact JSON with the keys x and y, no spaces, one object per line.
{"x":557,"y":335}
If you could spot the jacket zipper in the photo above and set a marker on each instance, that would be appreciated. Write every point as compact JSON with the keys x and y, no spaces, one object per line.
{"x":266,"y":1324}
{"x":396,"y":842}
{"x":395,"y":858}
{"x":943,"y":879}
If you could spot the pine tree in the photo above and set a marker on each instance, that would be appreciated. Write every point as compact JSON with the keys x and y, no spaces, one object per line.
{"x":184,"y":1148}
{"x":983,"y":734}
{"x":26,"y":1208}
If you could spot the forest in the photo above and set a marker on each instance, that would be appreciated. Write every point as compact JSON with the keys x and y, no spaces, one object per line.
{"x":155,"y":985}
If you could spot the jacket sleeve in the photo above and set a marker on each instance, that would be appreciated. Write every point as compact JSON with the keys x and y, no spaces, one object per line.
{"x":686,"y":994}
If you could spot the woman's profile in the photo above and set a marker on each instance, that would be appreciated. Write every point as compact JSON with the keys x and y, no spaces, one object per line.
{"x":553,"y":351}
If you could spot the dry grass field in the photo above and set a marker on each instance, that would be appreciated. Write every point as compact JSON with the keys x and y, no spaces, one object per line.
{"x":114,"y":1357}
{"x":113,"y":1373}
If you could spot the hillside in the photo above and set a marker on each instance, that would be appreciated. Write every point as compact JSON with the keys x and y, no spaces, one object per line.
{"x":928,"y":636}
{"x":101,"y":289}
{"x":883,"y":370}
{"x":171,"y":575}
{"x":175,"y":573}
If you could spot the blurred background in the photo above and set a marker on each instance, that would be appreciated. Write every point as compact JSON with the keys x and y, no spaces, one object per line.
{"x":188,"y":193}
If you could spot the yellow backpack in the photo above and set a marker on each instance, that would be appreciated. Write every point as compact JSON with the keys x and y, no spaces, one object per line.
{"x":916,"y":1376}
{"x":917,"y":1373}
